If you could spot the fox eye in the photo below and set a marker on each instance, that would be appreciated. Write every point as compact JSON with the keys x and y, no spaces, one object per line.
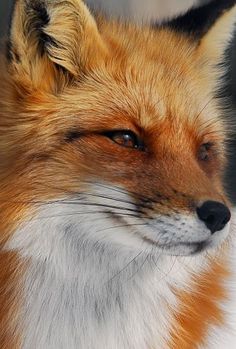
{"x":126,"y":138}
{"x":204,"y":151}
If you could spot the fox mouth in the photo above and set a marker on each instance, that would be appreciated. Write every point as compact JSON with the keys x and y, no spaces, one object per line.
{"x":175,"y":239}
{"x":182,"y":248}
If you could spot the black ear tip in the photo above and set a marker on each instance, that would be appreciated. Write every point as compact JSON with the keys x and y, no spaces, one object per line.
{"x":38,"y":20}
{"x":198,"y":20}
{"x":34,"y":12}
{"x":39,"y":12}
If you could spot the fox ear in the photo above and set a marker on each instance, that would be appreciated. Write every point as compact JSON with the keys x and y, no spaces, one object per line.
{"x":210,"y":26}
{"x":51,"y":37}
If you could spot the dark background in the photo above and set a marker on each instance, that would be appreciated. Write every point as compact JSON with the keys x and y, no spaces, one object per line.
{"x":229,"y":90}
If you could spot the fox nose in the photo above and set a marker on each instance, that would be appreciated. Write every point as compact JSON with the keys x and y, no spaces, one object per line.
{"x":214,"y":214}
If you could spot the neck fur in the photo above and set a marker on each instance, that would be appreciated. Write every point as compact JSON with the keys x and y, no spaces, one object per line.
{"x":87,"y":293}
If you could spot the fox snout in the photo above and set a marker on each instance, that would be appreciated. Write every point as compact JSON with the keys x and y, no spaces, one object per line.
{"x":214,"y":215}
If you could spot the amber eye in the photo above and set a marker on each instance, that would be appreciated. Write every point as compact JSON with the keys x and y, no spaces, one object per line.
{"x":205,"y":151}
{"x":126,"y":139}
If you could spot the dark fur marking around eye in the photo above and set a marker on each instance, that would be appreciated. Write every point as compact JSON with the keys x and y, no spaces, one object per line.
{"x":72,"y":136}
{"x":197,"y":21}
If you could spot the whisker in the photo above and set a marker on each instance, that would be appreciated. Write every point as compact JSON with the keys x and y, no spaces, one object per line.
{"x":139,"y":269}
{"x":127,"y":265}
{"x":118,"y":189}
{"x":108,"y":198}
{"x":78,"y":214}
{"x":202,"y":110}
{"x":122,"y":226}
{"x":79,"y":203}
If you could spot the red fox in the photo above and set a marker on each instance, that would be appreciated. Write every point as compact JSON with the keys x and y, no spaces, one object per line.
{"x":115,"y":229}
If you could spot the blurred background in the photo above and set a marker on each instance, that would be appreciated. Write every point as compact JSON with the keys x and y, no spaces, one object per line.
{"x":140,"y":10}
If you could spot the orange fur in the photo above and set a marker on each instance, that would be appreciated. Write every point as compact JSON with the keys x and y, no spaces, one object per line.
{"x":11,"y":276}
{"x":200,"y":307}
{"x":99,"y":77}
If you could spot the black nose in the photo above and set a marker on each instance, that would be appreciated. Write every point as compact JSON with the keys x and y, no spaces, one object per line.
{"x":214,"y":214}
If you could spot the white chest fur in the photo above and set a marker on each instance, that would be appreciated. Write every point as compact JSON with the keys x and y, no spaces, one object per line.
{"x":87,"y":293}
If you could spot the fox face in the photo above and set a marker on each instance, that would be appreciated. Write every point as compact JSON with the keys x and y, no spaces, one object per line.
{"x":115,"y":128}
{"x":111,"y":162}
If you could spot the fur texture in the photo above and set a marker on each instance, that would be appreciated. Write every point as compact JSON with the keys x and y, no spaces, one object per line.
{"x":110,"y":139}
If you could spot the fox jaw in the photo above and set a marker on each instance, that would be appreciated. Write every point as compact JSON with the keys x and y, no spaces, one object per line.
{"x":112,"y":155}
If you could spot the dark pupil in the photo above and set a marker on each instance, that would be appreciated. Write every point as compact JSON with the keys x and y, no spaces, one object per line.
{"x":128,"y":141}
{"x":125,"y":139}
{"x":204,"y":151}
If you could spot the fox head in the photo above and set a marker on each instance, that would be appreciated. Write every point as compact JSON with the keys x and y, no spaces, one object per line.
{"x":114,"y":129}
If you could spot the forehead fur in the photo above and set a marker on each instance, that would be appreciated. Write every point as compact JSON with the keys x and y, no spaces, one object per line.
{"x":148,"y":75}
{"x":90,"y":74}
